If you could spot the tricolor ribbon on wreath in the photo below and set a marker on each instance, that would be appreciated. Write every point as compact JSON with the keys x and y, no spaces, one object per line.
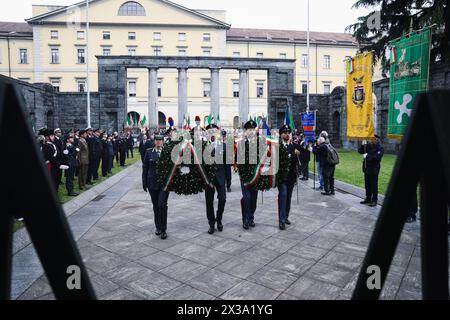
{"x":269,"y":152}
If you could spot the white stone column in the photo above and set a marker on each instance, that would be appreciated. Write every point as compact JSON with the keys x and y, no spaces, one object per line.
{"x":153,"y":117}
{"x":182,"y":95}
{"x":215,"y":93}
{"x":243,"y":96}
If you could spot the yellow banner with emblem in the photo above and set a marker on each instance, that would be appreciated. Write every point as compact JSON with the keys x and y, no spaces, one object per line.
{"x":359,"y":97}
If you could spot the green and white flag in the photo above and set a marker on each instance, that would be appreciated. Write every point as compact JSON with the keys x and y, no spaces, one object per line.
{"x":410,"y":61}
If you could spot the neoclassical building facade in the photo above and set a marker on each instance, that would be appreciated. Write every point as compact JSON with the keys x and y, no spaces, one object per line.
{"x":51,"y":47}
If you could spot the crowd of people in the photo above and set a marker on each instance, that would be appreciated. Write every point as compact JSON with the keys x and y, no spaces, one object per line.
{"x":83,"y":154}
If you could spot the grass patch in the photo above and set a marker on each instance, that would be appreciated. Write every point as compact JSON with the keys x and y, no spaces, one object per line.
{"x":350,"y":169}
{"x":62,"y":192}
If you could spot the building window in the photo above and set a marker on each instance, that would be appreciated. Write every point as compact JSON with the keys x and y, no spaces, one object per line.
{"x":207,"y":52}
{"x":182,"y":36}
{"x":304,"y":87}
{"x":55,"y":55}
{"x":81,"y":85}
{"x":327,"y":62}
{"x":131,"y":8}
{"x":260,"y":55}
{"x":182,"y":52}
{"x":157,"y":51}
{"x":132,"y":88}
{"x":80,"y":35}
{"x":236,"y":89}
{"x":304,"y":61}
{"x":81,"y":58}
{"x":283,"y":56}
{"x":131,"y":35}
{"x":207,"y":37}
{"x":106,"y":51}
{"x":23,"y":56}
{"x":131,"y":51}
{"x":54,"y":34}
{"x":55,"y":84}
{"x":206,"y":89}
{"x":236,"y":54}
{"x":157,"y":36}
{"x":260,"y":89}
{"x":106,"y":35}
{"x":159,"y":87}
{"x":327,"y":87}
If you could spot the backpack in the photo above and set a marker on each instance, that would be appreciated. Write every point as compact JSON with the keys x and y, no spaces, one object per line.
{"x":332,"y":155}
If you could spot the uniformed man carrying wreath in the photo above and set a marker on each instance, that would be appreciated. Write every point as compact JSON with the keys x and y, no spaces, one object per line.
{"x":150,"y":184}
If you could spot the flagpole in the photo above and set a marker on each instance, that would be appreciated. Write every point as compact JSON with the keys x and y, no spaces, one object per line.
{"x":87,"y":67}
{"x":307,"y":45}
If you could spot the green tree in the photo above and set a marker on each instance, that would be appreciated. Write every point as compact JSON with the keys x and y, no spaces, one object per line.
{"x":397,"y":19}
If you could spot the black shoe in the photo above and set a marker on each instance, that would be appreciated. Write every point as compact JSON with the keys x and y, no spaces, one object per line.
{"x":163,"y":235}
{"x":411,"y":219}
{"x":287,"y":222}
{"x":245,"y":226}
{"x":282,"y":226}
{"x":373,"y":204}
{"x":229,"y":189}
{"x":211,"y":230}
{"x":219,"y":226}
{"x":365,"y":202}
{"x":72,"y":194}
{"x":252,"y":224}
{"x":158,"y":233}
{"x":326,"y":193}
{"x":332,"y":193}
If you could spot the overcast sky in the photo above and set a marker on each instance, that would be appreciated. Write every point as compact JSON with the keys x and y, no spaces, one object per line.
{"x":326,"y":15}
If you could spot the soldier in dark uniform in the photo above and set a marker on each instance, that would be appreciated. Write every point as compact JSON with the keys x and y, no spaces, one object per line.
{"x":95,"y":153}
{"x":150,"y":184}
{"x":249,"y":194}
{"x":104,"y":154}
{"x":219,"y":153}
{"x":373,"y":153}
{"x":71,"y":162}
{"x":305,"y":157}
{"x":50,"y":152}
{"x":59,"y":143}
{"x":122,"y":146}
{"x":285,"y":188}
{"x":227,"y":165}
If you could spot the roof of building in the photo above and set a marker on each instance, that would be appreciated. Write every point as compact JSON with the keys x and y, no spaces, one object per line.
{"x":20,"y":28}
{"x":264,"y":35}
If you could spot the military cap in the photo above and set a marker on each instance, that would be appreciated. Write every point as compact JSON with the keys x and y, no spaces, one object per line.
{"x":82,"y":132}
{"x":159,"y":137}
{"x":57,"y":130}
{"x":285,"y":129}
{"x":250,"y":125}
{"x":377,"y":137}
{"x":48,"y":132}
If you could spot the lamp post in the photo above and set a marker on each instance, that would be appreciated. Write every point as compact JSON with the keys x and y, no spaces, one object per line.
{"x":307,"y":45}
{"x":9,"y":52}
{"x":87,"y":67}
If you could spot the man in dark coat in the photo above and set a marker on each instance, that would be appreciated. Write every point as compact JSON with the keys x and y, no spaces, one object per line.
{"x":305,"y":157}
{"x":219,"y":154}
{"x":50,"y":152}
{"x":59,"y":144}
{"x":104,"y":154}
{"x":372,"y":153}
{"x":150,"y":184}
{"x":130,"y":143}
{"x":70,"y":152}
{"x":95,"y":153}
{"x":285,"y":188}
{"x":322,"y":150}
{"x":122,"y":146}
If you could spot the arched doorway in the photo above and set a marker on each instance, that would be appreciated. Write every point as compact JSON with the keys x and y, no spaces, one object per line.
{"x":336,"y":138}
{"x":50,"y":119}
{"x":236,"y":122}
{"x":133,"y":119}
{"x":161,"y":120}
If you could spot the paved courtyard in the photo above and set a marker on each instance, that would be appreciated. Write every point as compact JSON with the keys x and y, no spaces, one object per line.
{"x":317,"y":257}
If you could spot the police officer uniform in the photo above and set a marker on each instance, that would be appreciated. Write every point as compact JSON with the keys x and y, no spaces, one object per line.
{"x":286,"y":188}
{"x":71,"y":153}
{"x":219,"y":185}
{"x":373,"y":153}
{"x":158,"y":195}
{"x":249,"y":194}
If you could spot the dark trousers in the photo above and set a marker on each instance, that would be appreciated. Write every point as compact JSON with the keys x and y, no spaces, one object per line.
{"x":371,"y":184}
{"x":328,"y":177}
{"x":70,"y":174}
{"x":248,"y":203}
{"x":94,"y":163}
{"x":58,"y":173}
{"x":111,"y":163}
{"x":54,"y":173}
{"x":209,"y":197}
{"x":131,"y":151}
{"x":82,"y":175}
{"x":305,"y":169}
{"x":285,"y":191}
{"x":105,"y":166}
{"x":159,"y":201}
{"x":117,"y":156}
{"x":122,"y":158}
{"x":97,"y":167}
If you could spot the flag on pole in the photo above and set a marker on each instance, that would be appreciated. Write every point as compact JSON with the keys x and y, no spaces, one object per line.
{"x":144,"y":120}
{"x":350,"y":65}
{"x":266,"y":129}
{"x":288,"y":120}
{"x":218,"y":121}
{"x":129,"y":121}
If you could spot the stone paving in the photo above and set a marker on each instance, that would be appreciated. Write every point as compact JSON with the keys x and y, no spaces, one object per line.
{"x":317,"y":257}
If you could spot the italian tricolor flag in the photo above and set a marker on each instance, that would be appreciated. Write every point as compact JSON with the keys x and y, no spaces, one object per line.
{"x":393,"y":55}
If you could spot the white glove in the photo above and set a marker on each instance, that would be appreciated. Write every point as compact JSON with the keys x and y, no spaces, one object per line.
{"x":77,"y":149}
{"x":364,"y":143}
{"x":66,"y":152}
{"x":63,"y":167}
{"x":365,"y":155}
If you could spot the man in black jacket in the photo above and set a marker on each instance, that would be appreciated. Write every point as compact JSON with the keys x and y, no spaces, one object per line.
{"x":70,"y":152}
{"x":150,"y":184}
{"x":105,"y":155}
{"x":372,"y":153}
{"x":322,"y":150}
{"x":59,"y":143}
{"x":219,"y":153}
